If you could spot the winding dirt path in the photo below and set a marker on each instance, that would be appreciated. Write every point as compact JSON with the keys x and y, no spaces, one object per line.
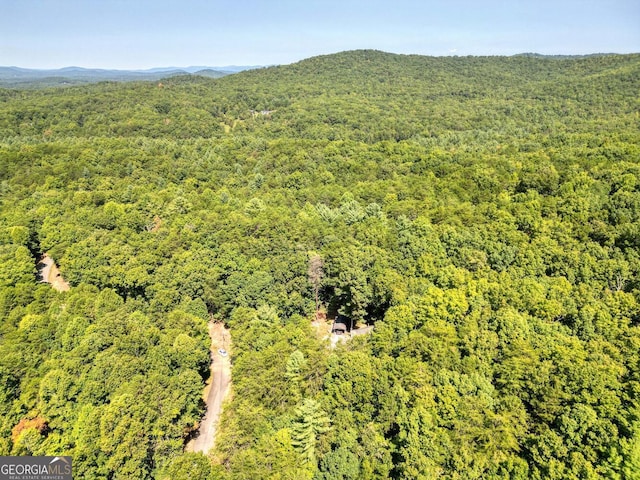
{"x":49,"y":273}
{"x":217,"y":388}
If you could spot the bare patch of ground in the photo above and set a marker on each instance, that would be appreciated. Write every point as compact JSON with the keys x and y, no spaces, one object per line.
{"x":49,"y":273}
{"x":323,"y":330}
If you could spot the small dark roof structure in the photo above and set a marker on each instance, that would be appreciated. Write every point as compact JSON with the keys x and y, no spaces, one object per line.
{"x":338,"y":328}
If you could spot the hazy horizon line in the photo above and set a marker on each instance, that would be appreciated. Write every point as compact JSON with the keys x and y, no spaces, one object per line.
{"x":253,"y":66}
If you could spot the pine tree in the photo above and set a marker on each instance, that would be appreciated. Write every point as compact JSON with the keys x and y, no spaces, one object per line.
{"x":310,"y":422}
{"x":295,"y":364}
{"x":316,"y":273}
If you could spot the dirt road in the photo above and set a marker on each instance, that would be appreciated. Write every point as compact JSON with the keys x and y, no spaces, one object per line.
{"x":49,"y":273}
{"x":216,"y":390}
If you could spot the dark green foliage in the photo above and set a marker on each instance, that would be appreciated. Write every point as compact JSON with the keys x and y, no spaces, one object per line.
{"x":483,"y":213}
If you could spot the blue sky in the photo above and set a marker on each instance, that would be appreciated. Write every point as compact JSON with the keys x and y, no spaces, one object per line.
{"x":159,"y":33}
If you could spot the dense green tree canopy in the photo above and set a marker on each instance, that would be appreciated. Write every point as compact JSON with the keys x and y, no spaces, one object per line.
{"x":482,"y":213}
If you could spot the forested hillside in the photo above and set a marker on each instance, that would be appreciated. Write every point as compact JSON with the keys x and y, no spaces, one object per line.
{"x":14,"y":77}
{"x":482,"y":213}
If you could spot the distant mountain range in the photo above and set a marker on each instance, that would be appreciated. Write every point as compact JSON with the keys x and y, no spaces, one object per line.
{"x":12,"y":77}
{"x":16,"y":77}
